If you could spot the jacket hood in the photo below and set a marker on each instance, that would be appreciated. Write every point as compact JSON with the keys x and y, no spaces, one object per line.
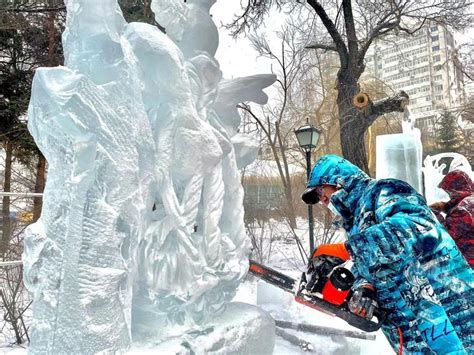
{"x":333,"y":170}
{"x":457,"y":184}
{"x":348,"y":178}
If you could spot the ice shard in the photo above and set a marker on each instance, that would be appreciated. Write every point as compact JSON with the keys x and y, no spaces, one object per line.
{"x":142,"y":223}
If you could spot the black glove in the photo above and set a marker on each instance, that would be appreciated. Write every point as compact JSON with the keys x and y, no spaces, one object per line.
{"x":318,"y":270}
{"x":364,"y":301}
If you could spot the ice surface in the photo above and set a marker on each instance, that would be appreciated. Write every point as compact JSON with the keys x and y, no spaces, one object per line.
{"x":434,"y":170}
{"x":96,"y":201}
{"x":142,"y":229}
{"x":269,"y":294}
{"x":399,"y":157}
{"x":189,"y":25}
{"x":240,"y":329}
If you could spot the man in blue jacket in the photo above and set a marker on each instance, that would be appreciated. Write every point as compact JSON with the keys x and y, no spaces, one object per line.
{"x":398,"y":246}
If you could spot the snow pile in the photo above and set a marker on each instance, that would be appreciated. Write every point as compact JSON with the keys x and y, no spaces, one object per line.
{"x":142,"y":231}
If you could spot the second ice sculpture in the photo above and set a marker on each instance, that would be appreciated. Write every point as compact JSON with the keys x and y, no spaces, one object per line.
{"x":434,"y":169}
{"x":142,"y":222}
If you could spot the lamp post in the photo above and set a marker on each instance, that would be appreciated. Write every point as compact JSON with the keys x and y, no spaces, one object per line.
{"x":308,"y":137}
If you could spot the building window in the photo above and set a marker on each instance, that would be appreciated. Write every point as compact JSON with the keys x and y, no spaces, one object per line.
{"x":438,"y":88}
{"x":434,"y":29}
{"x":434,"y":38}
{"x":439,"y":97}
{"x":438,"y":77}
{"x":436,"y":58}
{"x":428,"y":98}
{"x":435,"y":48}
{"x":438,"y":67}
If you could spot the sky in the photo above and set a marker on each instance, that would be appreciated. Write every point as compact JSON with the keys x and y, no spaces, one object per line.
{"x":237,"y":58}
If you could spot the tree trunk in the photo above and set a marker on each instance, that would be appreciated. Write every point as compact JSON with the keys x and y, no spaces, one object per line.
{"x":353,"y":122}
{"x":146,"y":10}
{"x":51,"y":39}
{"x":39,"y":186}
{"x":6,"y":228}
{"x":353,"y":140}
{"x":290,"y":209}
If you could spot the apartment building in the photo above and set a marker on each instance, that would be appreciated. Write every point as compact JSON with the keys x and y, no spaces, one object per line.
{"x":425,"y":66}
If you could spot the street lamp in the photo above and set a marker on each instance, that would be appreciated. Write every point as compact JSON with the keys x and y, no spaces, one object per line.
{"x":308,"y":137}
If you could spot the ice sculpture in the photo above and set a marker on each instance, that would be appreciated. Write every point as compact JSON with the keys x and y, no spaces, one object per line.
{"x":189,"y":25}
{"x":434,"y":170}
{"x":89,"y":121}
{"x":142,"y":221}
{"x":399,"y":156}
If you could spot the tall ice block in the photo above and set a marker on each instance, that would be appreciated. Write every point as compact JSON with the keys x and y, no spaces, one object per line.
{"x":399,"y":156}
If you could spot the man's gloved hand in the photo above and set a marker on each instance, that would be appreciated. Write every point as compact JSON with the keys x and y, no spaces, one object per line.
{"x":317,"y":272}
{"x":364,"y":301}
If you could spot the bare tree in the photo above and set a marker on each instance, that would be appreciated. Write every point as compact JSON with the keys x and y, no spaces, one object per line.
{"x":305,"y":93}
{"x":14,"y":303}
{"x":14,"y":300}
{"x":6,"y":225}
{"x":350,"y":29}
{"x":263,"y":236}
{"x":30,"y":33}
{"x":273,"y":121}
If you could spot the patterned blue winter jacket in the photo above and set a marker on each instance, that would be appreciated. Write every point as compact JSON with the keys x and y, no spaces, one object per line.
{"x":399,"y":247}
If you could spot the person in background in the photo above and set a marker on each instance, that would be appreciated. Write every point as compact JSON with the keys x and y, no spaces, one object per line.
{"x":403,"y":258}
{"x":459,"y":210}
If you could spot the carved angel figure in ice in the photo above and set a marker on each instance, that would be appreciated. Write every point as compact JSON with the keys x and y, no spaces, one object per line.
{"x":434,"y":169}
{"x":143,"y":197}
{"x":195,"y":250}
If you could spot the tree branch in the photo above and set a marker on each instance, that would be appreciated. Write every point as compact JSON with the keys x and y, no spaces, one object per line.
{"x":350,"y":27}
{"x":247,"y":108}
{"x":379,"y":30}
{"x":411,"y":32}
{"x":395,"y":103}
{"x":333,"y":32}
{"x":321,"y":46}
